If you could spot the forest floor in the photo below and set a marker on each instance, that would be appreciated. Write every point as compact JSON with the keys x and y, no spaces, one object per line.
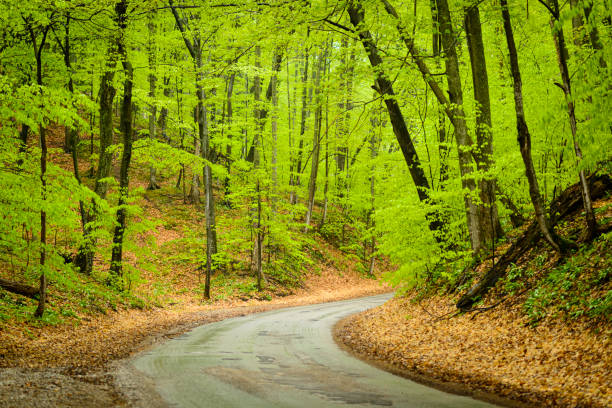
{"x":72,"y":366}
{"x":542,"y":337}
{"x":67,"y":358}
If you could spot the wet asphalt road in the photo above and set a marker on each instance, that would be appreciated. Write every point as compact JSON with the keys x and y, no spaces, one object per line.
{"x":282,"y":358}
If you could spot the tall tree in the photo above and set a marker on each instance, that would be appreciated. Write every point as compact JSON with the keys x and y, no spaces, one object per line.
{"x":152,"y":57}
{"x":464,"y":144}
{"x":38,"y":38}
{"x":489,"y":222}
{"x":194,"y":46}
{"x":385,"y":88}
{"x":562,"y":56}
{"x":126,"y":123}
{"x":316,"y":142}
{"x":524,"y":137}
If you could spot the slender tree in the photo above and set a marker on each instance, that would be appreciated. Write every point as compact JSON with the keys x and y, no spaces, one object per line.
{"x":385,"y":88}
{"x":524,"y":137}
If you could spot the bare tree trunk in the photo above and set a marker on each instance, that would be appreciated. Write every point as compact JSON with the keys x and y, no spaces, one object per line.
{"x":107,"y":95}
{"x":344,"y":117}
{"x":374,"y":143}
{"x":228,"y":122}
{"x":194,"y":191}
{"x":294,"y":178}
{"x":326,"y":186}
{"x":70,"y":132}
{"x":464,"y":144}
{"x":490,"y":226}
{"x":152,"y":55}
{"x":443,"y":150}
{"x":20,"y":289}
{"x":42,"y":289}
{"x":258,"y":113}
{"x":209,"y":206}
{"x":194,"y":47}
{"x":524,"y":137}
{"x":273,"y":96}
{"x":126,"y":123}
{"x":316,"y":143}
{"x":162,"y":120}
{"x":84,"y":258}
{"x":559,"y":39}
{"x":85,"y":255}
{"x":385,"y":88}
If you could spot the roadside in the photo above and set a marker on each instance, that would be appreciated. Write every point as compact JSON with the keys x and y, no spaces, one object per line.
{"x":484,"y":354}
{"x":75,"y":366}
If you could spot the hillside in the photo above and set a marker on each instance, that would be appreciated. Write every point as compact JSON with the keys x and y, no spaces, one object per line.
{"x":541,"y":337}
{"x":88,"y":323}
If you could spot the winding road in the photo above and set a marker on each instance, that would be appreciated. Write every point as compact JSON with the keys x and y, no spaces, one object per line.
{"x":281,"y":358}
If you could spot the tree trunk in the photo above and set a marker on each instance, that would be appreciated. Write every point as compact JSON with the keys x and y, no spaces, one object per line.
{"x":152,"y":56}
{"x":194,"y":191}
{"x":70,"y":133}
{"x":524,"y":137}
{"x":316,"y":142}
{"x":106,"y":94}
{"x":272,"y":95}
{"x":20,"y":288}
{"x":126,"y":123}
{"x":42,"y":289}
{"x":209,"y":205}
{"x":204,"y":138}
{"x":294,"y":177}
{"x":490,"y":227}
{"x":374,"y":144}
{"x":443,"y":150}
{"x":559,"y":39}
{"x":385,"y":88}
{"x":344,"y":117}
{"x":464,"y":144}
{"x":258,"y":113}
{"x":326,"y":186}
{"x":228,"y":123}
{"x":85,"y":255}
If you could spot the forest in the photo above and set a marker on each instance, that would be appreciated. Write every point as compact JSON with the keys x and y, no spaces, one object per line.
{"x":435,"y":142}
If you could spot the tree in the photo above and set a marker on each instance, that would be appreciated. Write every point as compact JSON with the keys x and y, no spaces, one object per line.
{"x":524,"y":137}
{"x":126,"y":120}
{"x":560,"y":47}
{"x":194,"y":47}
{"x":385,"y":88}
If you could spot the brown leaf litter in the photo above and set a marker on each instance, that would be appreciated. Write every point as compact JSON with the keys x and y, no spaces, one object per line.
{"x":552,"y":365}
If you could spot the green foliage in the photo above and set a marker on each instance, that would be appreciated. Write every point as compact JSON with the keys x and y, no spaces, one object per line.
{"x":579,"y":287}
{"x":362,"y":179}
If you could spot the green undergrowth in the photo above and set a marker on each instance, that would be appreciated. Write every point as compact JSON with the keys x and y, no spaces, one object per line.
{"x":165,"y":251}
{"x":542,"y":285}
{"x":579,"y":286}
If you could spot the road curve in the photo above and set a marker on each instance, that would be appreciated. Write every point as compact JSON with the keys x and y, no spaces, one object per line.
{"x":281,"y":358}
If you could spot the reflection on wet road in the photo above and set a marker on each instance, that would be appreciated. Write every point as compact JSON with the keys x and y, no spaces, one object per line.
{"x":282,"y":358}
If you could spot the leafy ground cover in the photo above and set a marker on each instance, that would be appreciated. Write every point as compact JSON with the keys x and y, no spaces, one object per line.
{"x":542,"y":336}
